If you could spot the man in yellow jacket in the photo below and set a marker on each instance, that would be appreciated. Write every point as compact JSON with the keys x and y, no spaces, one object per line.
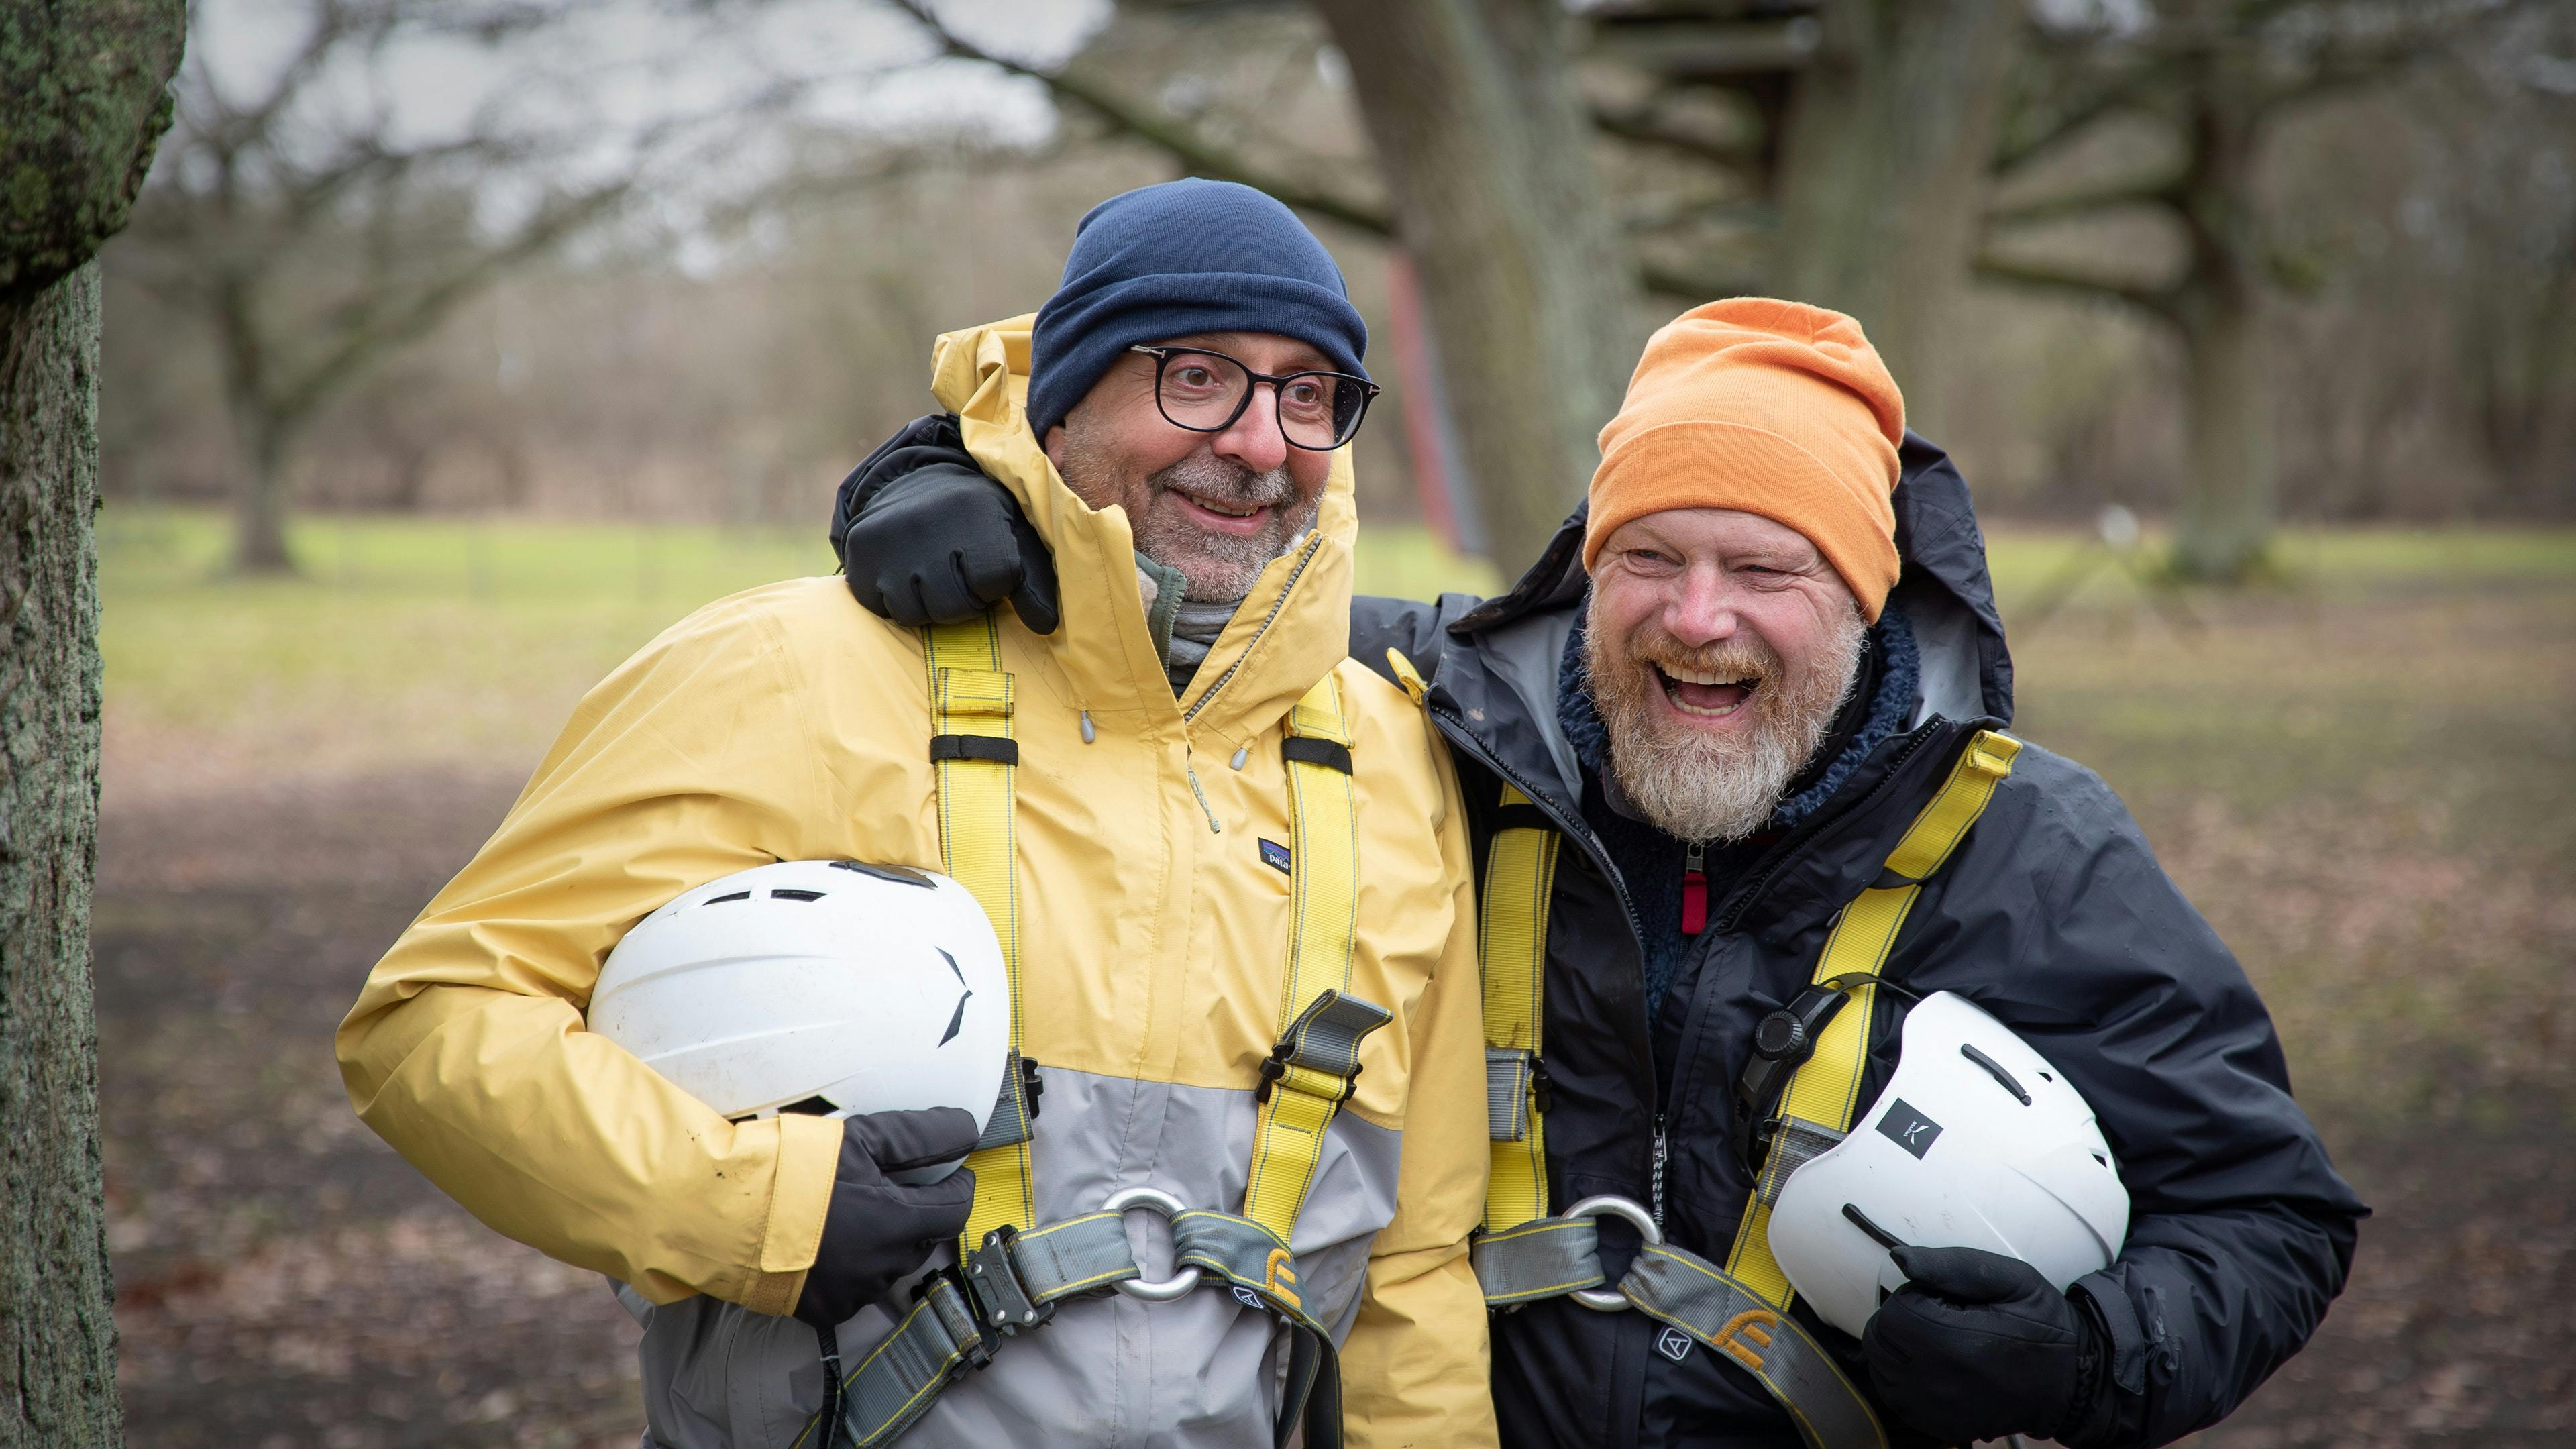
{"x":1218,"y":837}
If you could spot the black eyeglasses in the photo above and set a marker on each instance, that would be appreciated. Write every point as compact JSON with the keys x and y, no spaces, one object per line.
{"x":1206,"y":391}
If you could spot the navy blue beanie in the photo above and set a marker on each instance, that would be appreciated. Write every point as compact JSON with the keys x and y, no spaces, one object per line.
{"x":1178,"y":259}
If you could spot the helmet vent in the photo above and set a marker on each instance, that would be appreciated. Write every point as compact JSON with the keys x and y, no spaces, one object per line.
{"x":736,"y":896}
{"x":784,"y":893}
{"x":1995,"y":1069}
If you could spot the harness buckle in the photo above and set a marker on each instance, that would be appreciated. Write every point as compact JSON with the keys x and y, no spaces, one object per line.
{"x":998,"y":1290}
{"x":1275,"y":1066}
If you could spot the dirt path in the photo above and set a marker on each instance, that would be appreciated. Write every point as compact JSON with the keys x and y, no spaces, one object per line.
{"x":284,"y":1280}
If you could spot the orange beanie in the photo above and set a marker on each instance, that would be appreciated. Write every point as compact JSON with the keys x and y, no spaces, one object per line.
{"x":1768,"y":407}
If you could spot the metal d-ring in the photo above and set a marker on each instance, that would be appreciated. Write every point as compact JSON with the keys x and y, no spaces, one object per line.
{"x":1180,"y":1284}
{"x":1610,"y":1300}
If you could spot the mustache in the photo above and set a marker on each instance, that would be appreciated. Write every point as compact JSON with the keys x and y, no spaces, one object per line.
{"x":1226,"y":481}
{"x":1738,"y":658}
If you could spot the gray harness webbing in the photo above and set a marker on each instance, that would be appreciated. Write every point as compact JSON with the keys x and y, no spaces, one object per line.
{"x":1010,"y":1285}
{"x":1553,"y":1257}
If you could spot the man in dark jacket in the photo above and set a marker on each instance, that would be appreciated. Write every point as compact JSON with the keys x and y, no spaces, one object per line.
{"x":1730,"y":684}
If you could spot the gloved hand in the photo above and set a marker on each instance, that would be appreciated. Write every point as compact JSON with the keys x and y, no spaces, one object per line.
{"x":877,"y":1230}
{"x":1978,"y":1345}
{"x":926,"y":538}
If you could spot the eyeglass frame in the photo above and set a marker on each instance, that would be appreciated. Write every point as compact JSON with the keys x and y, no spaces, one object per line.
{"x":1163,"y":356}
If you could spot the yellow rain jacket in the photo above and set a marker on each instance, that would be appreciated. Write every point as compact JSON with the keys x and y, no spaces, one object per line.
{"x":789,"y":724}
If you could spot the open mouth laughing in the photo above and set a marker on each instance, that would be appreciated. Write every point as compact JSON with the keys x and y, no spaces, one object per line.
{"x":1703,"y":694}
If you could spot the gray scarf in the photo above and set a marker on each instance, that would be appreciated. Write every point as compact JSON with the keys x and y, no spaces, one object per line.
{"x":1184,"y":629}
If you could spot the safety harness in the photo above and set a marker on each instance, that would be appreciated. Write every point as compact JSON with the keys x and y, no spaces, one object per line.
{"x":1741,"y":1309}
{"x":1012,"y":1272}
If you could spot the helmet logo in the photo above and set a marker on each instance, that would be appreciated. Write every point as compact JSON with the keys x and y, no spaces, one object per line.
{"x":1908,"y":1128}
{"x":957,"y":1018}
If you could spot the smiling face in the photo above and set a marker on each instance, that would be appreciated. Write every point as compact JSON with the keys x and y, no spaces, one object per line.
{"x":1216,"y":506}
{"x":1720,"y":645}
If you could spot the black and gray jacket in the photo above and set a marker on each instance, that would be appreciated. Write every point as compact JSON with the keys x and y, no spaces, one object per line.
{"x":2053,"y":915}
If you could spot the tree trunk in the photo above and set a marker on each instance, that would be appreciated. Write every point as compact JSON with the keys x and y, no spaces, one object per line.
{"x":1883,"y":174}
{"x":2230,"y":498}
{"x":259,"y":507}
{"x":1531,"y":294}
{"x":259,"y":514}
{"x":84,"y":97}
{"x":57,"y":1338}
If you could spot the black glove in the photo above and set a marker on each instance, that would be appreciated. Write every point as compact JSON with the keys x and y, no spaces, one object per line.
{"x":926,"y":538}
{"x":1978,"y":1346}
{"x":876,"y":1231}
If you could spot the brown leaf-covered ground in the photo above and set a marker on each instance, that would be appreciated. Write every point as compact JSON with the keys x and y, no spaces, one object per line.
{"x":2366,"y":784}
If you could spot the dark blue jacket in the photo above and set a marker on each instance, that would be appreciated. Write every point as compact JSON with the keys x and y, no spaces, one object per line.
{"x":2053,"y":915}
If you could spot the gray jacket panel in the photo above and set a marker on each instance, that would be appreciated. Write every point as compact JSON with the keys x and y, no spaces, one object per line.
{"x":1109,"y":1371}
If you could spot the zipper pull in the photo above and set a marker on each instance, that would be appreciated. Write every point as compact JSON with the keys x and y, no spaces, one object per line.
{"x":1663,"y":1150}
{"x":1694,"y":889}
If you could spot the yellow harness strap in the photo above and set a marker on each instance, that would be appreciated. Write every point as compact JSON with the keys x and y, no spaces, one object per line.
{"x":1824,"y":1091}
{"x":1511,"y":941}
{"x":975,"y":756}
{"x":1320,"y":1024}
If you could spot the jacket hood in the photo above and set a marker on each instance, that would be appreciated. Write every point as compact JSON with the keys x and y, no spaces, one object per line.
{"x":1291,"y":629}
{"x":1513,"y":641}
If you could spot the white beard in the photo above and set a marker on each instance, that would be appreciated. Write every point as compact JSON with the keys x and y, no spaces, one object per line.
{"x":1698,"y":786}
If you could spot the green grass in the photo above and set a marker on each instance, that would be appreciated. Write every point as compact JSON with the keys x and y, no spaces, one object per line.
{"x":456,"y":640}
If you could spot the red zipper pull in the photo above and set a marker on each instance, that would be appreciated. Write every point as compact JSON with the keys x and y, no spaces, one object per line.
{"x":1694,"y":890}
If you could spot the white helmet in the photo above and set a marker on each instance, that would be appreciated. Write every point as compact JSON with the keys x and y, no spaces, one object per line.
{"x":1977,"y":1142}
{"x":871,"y":987}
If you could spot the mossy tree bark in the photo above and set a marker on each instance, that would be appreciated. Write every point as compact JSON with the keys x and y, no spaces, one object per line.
{"x":57,"y":1341}
{"x":85,"y":86}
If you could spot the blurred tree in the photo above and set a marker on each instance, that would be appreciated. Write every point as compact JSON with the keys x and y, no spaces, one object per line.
{"x":1526,"y":277}
{"x":1480,"y":135}
{"x":83,"y":99}
{"x":2216,"y":78}
{"x":2505,"y":221}
{"x":1865,"y":127}
{"x":316,"y":236}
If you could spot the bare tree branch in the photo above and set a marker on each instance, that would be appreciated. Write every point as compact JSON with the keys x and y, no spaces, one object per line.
{"x":2163,"y":190}
{"x":413,"y":316}
{"x":1208,"y":158}
{"x":1185,"y":142}
{"x":1638,"y":126}
{"x":2026,"y":142}
{"x":2159,"y":302}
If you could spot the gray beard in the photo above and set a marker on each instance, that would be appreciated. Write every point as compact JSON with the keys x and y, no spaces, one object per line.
{"x":1214,"y":567}
{"x":1698,"y":787}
